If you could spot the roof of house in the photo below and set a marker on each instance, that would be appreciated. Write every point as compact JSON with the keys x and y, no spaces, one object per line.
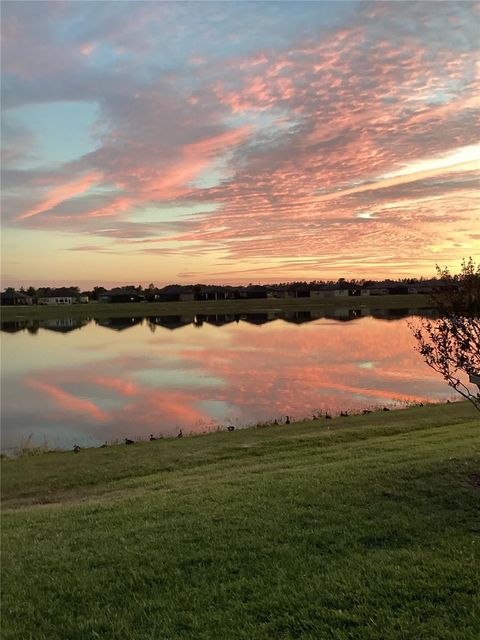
{"x":14,"y":294}
{"x":121,"y":291}
{"x":176,"y":288}
{"x":62,"y":292}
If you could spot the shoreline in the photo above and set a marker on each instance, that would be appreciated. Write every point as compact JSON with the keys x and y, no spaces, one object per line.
{"x":319,"y":419}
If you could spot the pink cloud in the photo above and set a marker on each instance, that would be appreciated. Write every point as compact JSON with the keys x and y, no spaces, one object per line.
{"x":124,"y":387}
{"x":70,"y":402}
{"x":60,"y":194}
{"x":304,"y":135}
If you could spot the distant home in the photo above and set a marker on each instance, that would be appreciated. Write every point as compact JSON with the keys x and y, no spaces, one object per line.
{"x":121,"y":294}
{"x":386,"y":288}
{"x":12,"y":297}
{"x":215,"y":292}
{"x":181,"y":293}
{"x":59,"y":296}
{"x":430,"y":286}
{"x":175,"y":293}
{"x":252,"y":292}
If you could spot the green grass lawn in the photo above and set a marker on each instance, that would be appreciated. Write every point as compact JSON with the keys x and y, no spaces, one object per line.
{"x":141,"y":309}
{"x":361,"y":527}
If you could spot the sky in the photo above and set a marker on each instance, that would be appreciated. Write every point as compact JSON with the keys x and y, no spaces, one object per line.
{"x":237,"y":142}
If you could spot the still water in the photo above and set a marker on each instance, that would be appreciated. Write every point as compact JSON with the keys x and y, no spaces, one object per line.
{"x":69,"y":381}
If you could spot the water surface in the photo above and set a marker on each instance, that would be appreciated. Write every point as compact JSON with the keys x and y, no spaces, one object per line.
{"x":88,"y":381}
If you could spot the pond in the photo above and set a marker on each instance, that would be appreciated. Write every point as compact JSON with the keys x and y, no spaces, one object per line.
{"x":70,"y":381}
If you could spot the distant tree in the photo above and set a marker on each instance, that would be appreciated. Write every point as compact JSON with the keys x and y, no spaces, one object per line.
{"x":450,"y":344}
{"x":31,"y":291}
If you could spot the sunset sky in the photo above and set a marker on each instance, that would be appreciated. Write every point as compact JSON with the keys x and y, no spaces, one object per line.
{"x":238,"y":142}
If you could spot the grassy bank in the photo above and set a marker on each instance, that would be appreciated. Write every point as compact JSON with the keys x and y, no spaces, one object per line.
{"x":102,"y":310}
{"x":361,"y":527}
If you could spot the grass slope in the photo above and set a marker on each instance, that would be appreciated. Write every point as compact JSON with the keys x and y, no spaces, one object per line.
{"x":141,"y":309}
{"x":362,"y":527}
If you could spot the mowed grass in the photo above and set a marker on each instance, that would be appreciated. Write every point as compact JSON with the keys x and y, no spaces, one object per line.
{"x":145,"y":309}
{"x":360,"y":527}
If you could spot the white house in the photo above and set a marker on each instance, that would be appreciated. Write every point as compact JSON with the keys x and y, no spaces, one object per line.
{"x":59,"y":296}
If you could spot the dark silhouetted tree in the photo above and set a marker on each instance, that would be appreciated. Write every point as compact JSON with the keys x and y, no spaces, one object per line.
{"x":450,"y":344}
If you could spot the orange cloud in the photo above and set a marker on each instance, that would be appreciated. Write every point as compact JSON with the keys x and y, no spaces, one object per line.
{"x":69,"y":401}
{"x":61,"y":194}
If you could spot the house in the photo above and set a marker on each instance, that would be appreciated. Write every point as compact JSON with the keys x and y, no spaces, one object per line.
{"x":431,"y":286}
{"x":214,"y":292}
{"x":253,"y":291}
{"x":12,"y":297}
{"x":337,"y":290}
{"x":385,"y":288}
{"x":63,"y":295}
{"x":121,"y":294}
{"x":294,"y":290}
{"x":299,"y":290}
{"x":175,"y":293}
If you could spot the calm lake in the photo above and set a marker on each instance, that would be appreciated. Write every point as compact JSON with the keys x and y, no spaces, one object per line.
{"x":74,"y":381}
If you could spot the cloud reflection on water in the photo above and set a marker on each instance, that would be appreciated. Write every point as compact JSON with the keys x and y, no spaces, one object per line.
{"x":138,"y":382}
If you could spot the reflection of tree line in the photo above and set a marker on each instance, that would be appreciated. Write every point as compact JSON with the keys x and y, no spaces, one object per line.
{"x":66,"y":325}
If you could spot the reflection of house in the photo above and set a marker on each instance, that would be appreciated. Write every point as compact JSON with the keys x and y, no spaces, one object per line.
{"x":62,"y":295}
{"x":118,"y":324}
{"x":12,"y":326}
{"x":12,"y":297}
{"x":344,"y":314}
{"x":171,"y":321}
{"x":298,"y":317}
{"x":390,"y":314}
{"x":62,"y":325}
{"x":121,"y":294}
{"x":426,"y":312}
{"x":258,"y":318}
{"x":218,"y":319}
